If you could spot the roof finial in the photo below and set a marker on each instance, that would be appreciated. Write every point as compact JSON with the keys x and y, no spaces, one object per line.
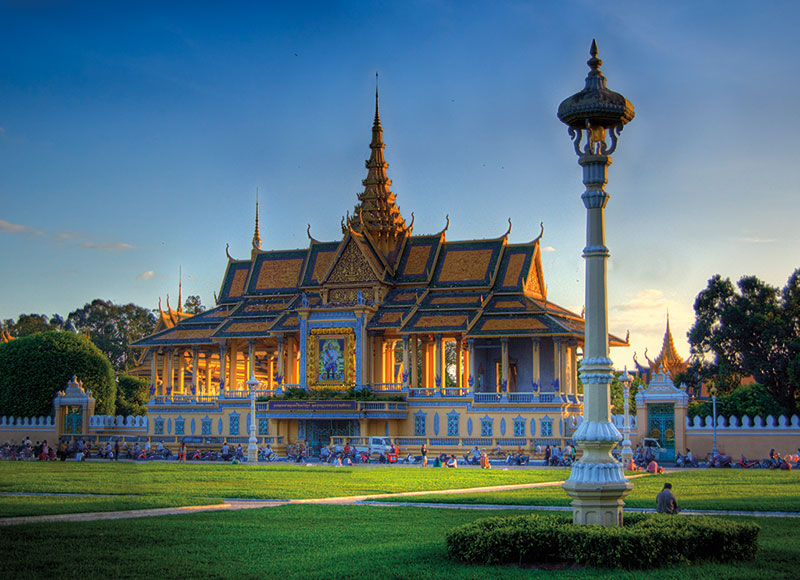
{"x":180,"y":288}
{"x":377,"y":119}
{"x":256,"y":234}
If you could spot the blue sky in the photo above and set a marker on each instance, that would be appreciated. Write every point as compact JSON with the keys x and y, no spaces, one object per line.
{"x":133,"y":137}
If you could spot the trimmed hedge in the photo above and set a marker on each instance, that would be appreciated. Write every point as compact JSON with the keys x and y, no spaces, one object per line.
{"x":644,"y":541}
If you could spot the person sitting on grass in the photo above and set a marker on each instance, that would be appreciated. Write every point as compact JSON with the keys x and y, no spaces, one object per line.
{"x":654,"y":467}
{"x":485,"y":461}
{"x":452,"y":462}
{"x":666,"y":502}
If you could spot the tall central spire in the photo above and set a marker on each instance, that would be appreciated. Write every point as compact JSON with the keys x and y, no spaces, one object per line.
{"x":377,"y":213}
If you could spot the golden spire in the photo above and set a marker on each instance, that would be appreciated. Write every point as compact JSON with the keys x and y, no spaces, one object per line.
{"x":256,"y":234}
{"x":377,"y":213}
{"x":669,"y":359}
{"x":180,"y":288}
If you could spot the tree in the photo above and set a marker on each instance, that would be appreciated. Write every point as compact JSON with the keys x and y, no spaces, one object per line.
{"x":112,"y":328}
{"x":133,"y":394}
{"x":27,"y":324}
{"x":751,"y":329}
{"x":751,"y":400}
{"x":192,"y":305}
{"x":34,"y":368}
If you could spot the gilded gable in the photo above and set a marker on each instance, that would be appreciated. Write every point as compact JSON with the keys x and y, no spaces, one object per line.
{"x":352,"y":267}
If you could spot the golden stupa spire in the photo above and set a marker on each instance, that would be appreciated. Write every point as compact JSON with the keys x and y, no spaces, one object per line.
{"x":256,"y":233}
{"x":668,"y":359}
{"x":377,"y":213}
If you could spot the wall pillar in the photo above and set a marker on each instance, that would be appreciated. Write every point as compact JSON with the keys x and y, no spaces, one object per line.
{"x":437,"y":357}
{"x":405,"y":370}
{"x":281,"y":375}
{"x":153,"y":371}
{"x":459,"y":361}
{"x":208,"y":359}
{"x":536,"y":364}
{"x":233,"y":376}
{"x":504,"y":364}
{"x":472,"y":378}
{"x":195,"y":370}
{"x":251,"y":358}
{"x":223,"y":368}
{"x":415,"y":363}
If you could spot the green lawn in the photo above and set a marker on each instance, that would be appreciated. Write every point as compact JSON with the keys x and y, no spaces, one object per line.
{"x":711,"y":489}
{"x":304,"y":541}
{"x":159,"y":484}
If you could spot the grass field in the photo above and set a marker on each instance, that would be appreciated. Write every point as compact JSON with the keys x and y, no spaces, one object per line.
{"x":304,"y":541}
{"x":159,"y":484}
{"x":706,"y":489}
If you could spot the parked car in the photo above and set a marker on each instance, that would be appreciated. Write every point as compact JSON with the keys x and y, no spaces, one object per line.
{"x":654,"y":445}
{"x":380,"y":445}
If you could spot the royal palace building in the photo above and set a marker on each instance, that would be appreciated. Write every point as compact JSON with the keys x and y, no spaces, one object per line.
{"x":456,"y":340}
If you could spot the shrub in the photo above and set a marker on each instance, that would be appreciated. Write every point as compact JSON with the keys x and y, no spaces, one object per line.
{"x":645,"y":541}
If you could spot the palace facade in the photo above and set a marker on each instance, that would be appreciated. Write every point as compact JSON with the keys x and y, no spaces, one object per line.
{"x":457,"y":340}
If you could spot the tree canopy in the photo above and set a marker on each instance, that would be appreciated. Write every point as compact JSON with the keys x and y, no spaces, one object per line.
{"x":133,"y":394}
{"x":112,"y":328}
{"x":751,"y":400}
{"x":34,"y":368}
{"x":749,"y":329}
{"x":193,"y":305}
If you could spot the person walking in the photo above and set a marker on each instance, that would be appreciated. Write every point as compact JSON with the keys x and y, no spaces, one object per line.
{"x":666,"y":502}
{"x":424,"y":451}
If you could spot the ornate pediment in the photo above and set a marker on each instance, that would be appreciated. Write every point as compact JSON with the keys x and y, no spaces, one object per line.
{"x":352,"y":267}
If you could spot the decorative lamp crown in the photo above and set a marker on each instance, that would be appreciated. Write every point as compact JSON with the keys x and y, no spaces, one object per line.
{"x":595,"y":105}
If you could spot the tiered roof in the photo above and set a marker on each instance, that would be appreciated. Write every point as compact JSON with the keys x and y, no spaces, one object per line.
{"x":411,"y":284}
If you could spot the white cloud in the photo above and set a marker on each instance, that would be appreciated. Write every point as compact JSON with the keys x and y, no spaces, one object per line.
{"x":146,"y":275}
{"x":757,"y":240}
{"x":81,"y":239}
{"x":10,"y":228}
{"x":108,"y":247}
{"x":548,"y":249}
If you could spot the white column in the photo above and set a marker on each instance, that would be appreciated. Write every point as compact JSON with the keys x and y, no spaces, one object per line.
{"x":195,"y":370}
{"x":439,"y":375}
{"x":504,"y":364}
{"x":223,"y":368}
{"x":536,"y":364}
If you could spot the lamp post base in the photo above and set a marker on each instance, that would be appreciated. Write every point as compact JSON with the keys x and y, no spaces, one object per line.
{"x":599,"y":504}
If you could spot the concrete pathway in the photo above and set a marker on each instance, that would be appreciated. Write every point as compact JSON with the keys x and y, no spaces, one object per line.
{"x":361,"y":500}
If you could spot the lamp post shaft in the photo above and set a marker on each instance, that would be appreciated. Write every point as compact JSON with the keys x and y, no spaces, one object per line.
{"x":597,"y":483}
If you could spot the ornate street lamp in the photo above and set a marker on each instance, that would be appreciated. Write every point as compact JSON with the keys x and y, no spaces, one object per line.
{"x":597,"y":483}
{"x":252,"y":444}
{"x":627,"y":453}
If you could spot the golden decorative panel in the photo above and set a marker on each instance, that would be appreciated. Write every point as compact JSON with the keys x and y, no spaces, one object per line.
{"x":279,"y":274}
{"x":405,"y":296}
{"x":331,"y":358}
{"x":352,"y":267}
{"x":322,"y":265}
{"x":390,"y":317}
{"x":435,"y":321}
{"x":237,"y":285}
{"x":247,"y":327}
{"x":188,"y":334}
{"x":514,"y":269}
{"x":417,"y":260}
{"x":290,"y":321}
{"x":513,"y":324}
{"x":346,"y":295}
{"x":460,"y":265}
{"x":455,"y":300}
{"x":508,"y":304}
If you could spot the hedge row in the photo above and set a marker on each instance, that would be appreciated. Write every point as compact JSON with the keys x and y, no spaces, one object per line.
{"x":644,"y":541}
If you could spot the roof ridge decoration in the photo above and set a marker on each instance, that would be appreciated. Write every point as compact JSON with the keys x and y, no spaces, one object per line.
{"x":376,"y":211}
